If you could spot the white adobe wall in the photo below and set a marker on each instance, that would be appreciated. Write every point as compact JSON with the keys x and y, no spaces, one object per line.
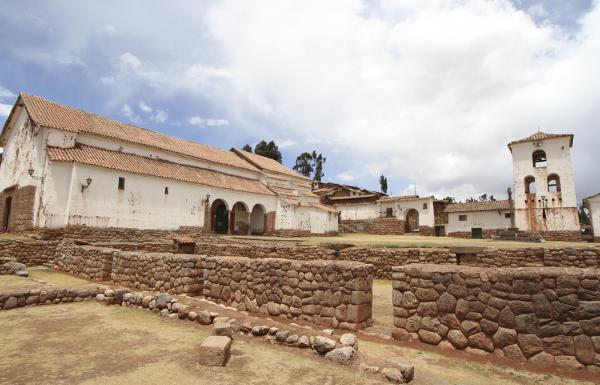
{"x":142,"y":204}
{"x":290,"y":217}
{"x":558,"y":162}
{"x":593,"y":205}
{"x":478,"y":219}
{"x":401,"y":207}
{"x":358,"y":211}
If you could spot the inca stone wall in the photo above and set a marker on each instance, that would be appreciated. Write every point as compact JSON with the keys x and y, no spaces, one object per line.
{"x":533,"y":256}
{"x":85,"y":261}
{"x":330,"y":293}
{"x":546,"y":315}
{"x":373,"y":226}
{"x":172,"y":273}
{"x":29,"y":252}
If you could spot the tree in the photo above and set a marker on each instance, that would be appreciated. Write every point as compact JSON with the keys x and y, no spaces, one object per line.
{"x":450,"y":199}
{"x":318,"y":161}
{"x":383,"y":183}
{"x":269,"y":150}
{"x":304,"y":164}
{"x":310,"y":164}
{"x":247,"y":148}
{"x":584,"y":218}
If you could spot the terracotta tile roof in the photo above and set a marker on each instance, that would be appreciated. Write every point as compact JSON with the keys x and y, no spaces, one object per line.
{"x":353,"y":197}
{"x":542,"y":136}
{"x":121,"y":161}
{"x":592,"y":197}
{"x":269,"y":164}
{"x":477,"y":206}
{"x":53,"y":115}
{"x":295,"y":202}
{"x":399,"y":198}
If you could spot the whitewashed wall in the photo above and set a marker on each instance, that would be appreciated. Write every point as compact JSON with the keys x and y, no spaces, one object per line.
{"x":358,"y":211}
{"x":593,"y":205}
{"x":143,"y":203}
{"x":478,"y":219}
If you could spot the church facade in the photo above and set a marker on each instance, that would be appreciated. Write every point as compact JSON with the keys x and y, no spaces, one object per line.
{"x":65,"y":167}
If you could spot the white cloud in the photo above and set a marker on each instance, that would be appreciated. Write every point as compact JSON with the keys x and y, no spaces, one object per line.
{"x":160,"y":116}
{"x":199,"y":121}
{"x":110,"y":29}
{"x":144,"y":107}
{"x":107,"y":80}
{"x":537,"y":11}
{"x":130,"y":114}
{"x":5,"y":109}
{"x":285,"y":143}
{"x":346,"y":176}
{"x":6,"y":93}
{"x":130,"y":60}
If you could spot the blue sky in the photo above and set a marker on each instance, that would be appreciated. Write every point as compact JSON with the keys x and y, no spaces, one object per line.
{"x":427,"y":92}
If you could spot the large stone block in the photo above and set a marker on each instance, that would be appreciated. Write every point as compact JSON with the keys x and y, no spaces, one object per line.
{"x":215,"y":351}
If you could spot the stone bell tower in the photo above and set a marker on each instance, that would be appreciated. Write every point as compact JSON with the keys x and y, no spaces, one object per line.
{"x":544,"y":188}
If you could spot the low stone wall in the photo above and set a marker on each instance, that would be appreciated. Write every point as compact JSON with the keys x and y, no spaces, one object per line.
{"x":85,"y":261}
{"x":373,"y":226}
{"x":150,"y":247}
{"x":46,"y":295}
{"x":165,"y":272}
{"x":487,"y":233}
{"x":427,"y":231}
{"x":566,"y":236}
{"x":29,"y":252}
{"x":114,"y":234}
{"x":546,"y":315}
{"x":330,"y":293}
{"x":534,"y":256}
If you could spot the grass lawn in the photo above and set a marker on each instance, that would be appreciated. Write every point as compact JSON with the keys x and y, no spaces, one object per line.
{"x":414,"y":241}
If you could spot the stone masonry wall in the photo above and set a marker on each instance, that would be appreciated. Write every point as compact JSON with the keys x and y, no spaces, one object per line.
{"x":533,"y":256}
{"x":487,"y":233}
{"x":373,"y":226}
{"x":21,"y":210}
{"x":330,"y":293}
{"x":546,"y":315}
{"x":29,"y":252}
{"x":165,"y":272}
{"x":85,"y":261}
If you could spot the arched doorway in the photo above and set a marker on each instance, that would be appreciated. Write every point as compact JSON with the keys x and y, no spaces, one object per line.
{"x":219,"y":221}
{"x":239,"y":219}
{"x":7,"y":208}
{"x":257,"y":220}
{"x":411,"y":222}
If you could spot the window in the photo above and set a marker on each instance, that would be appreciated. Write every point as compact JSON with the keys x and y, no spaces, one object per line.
{"x":507,"y":215}
{"x":121,"y":183}
{"x":553,"y":183}
{"x":539,"y":159}
{"x":166,"y":191}
{"x":529,"y":185}
{"x":389,"y":212}
{"x":424,"y":206}
{"x":462,"y":217}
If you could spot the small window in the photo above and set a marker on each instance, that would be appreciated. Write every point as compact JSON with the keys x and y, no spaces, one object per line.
{"x":166,"y":191}
{"x":507,"y":215}
{"x":424,"y":206}
{"x":121,"y":183}
{"x":389,"y":212}
{"x":539,"y":159}
{"x":462,"y":217}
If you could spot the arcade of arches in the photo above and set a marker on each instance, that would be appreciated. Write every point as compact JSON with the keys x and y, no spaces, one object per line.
{"x":237,"y":220}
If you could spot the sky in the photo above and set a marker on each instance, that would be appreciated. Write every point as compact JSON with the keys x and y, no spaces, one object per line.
{"x":427,"y":92}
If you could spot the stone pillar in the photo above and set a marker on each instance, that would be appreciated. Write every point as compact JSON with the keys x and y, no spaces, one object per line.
{"x":230,"y":224}
{"x":207,"y":217}
{"x":249,"y":232}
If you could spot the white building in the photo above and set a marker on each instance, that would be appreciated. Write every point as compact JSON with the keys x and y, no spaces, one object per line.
{"x":63,"y":167}
{"x":544,"y":188}
{"x":592,"y":204}
{"x":478,"y":219}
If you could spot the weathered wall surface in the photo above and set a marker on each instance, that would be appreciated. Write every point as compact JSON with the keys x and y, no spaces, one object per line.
{"x":172,"y":273}
{"x":486,"y":220}
{"x":533,"y":256}
{"x":373,"y":226}
{"x":323,"y":292}
{"x":487,"y":233}
{"x":29,"y":252}
{"x":546,"y":315}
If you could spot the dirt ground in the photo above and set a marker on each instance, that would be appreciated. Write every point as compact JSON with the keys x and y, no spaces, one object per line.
{"x":89,"y":343}
{"x":413,"y":241}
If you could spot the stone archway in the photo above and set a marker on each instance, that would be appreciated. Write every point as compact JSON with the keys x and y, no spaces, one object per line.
{"x":239,"y":219}
{"x":219,"y":221}
{"x":257,"y":220}
{"x":411,"y":222}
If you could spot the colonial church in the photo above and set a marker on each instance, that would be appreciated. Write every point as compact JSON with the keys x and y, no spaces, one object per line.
{"x":62,"y":167}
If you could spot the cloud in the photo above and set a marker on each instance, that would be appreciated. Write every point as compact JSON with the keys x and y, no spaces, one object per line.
{"x":144,"y":107}
{"x":130,"y":114}
{"x":285,"y":143}
{"x":5,"y":109}
{"x":6,"y":93}
{"x":130,"y":60}
{"x":346,"y":176}
{"x":199,"y":121}
{"x":160,"y":116}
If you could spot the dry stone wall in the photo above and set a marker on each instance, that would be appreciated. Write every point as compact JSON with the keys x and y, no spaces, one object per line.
{"x":373,"y":226}
{"x":533,"y":256}
{"x":86,"y":261}
{"x":29,"y":252}
{"x":172,"y":273}
{"x":330,"y":293}
{"x":546,"y":315}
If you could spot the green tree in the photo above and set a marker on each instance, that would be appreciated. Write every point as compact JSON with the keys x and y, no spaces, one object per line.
{"x":318,"y":161}
{"x":383,"y":183}
{"x":450,"y":199}
{"x":584,"y":218}
{"x":269,"y":150}
{"x":304,"y":164}
{"x":247,"y":148}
